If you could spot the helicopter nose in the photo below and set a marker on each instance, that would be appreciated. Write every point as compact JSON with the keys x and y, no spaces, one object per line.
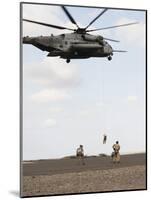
{"x":28,"y":40}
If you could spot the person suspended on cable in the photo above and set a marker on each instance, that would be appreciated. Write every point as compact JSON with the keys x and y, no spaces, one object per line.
{"x":104,"y":138}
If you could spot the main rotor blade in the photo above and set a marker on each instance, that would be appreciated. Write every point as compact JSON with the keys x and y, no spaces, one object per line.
{"x":109,"y":27}
{"x":69,"y":16}
{"x":111,"y":39}
{"x":119,"y":51}
{"x":49,"y":25}
{"x":96,"y":17}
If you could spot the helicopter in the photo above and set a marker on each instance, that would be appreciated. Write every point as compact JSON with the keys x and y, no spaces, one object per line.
{"x":78,"y":44}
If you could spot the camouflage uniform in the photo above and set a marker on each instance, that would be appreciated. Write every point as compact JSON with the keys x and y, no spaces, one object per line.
{"x":116,"y":154}
{"x":80,"y":154}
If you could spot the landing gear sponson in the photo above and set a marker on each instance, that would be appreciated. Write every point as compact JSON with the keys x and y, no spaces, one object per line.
{"x":109,"y":58}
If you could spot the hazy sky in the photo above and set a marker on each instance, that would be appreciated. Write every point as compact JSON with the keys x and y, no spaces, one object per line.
{"x":65,"y":105}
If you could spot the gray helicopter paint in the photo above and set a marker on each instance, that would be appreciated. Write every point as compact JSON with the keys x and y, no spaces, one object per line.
{"x":78,"y":44}
{"x":72,"y":44}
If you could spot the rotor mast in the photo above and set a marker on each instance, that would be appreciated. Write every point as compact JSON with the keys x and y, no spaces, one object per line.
{"x":78,"y":29}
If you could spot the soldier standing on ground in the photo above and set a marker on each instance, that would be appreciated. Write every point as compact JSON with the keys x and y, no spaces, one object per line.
{"x":80,"y":153}
{"x":116,"y":154}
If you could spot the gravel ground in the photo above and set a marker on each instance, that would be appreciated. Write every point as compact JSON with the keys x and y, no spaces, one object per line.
{"x":126,"y":178}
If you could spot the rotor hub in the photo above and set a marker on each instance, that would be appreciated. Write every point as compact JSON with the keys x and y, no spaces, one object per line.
{"x":80,"y":30}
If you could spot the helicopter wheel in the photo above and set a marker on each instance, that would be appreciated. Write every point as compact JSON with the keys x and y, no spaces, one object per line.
{"x":109,"y":58}
{"x":68,"y":60}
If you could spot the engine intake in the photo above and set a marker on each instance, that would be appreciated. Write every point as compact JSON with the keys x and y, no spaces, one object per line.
{"x":92,"y":38}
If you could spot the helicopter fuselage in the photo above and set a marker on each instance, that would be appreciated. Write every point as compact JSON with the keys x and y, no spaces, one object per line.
{"x":75,"y":45}
{"x":72,"y":45}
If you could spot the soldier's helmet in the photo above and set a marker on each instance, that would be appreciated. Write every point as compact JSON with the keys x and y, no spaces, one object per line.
{"x":117,"y":142}
{"x":81,"y":145}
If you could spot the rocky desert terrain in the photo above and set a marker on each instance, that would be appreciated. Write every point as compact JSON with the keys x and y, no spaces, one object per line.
{"x":69,"y":176}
